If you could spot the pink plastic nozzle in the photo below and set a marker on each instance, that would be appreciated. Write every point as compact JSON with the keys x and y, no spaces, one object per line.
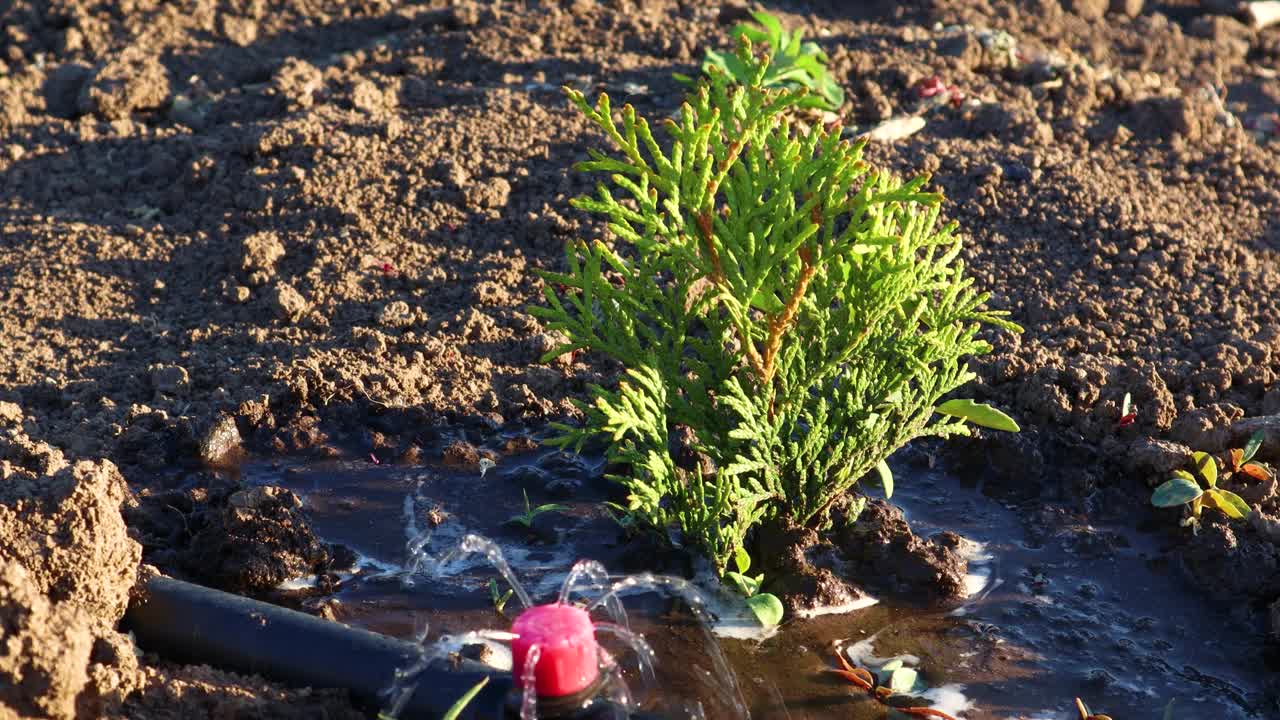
{"x":568,"y":656}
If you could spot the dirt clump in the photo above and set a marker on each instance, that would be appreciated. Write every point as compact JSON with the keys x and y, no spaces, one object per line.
{"x":131,"y":82}
{"x":68,"y":565}
{"x":240,"y":539}
{"x":47,"y":646}
{"x":261,"y":252}
{"x":792,"y":574}
{"x":221,"y":444}
{"x":1155,"y":459}
{"x":194,"y":691}
{"x":884,"y":555}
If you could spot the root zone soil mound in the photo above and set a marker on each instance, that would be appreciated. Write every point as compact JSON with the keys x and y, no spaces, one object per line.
{"x":283,"y":211}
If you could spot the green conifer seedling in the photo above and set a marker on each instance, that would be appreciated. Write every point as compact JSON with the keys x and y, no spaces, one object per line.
{"x":769,"y":295}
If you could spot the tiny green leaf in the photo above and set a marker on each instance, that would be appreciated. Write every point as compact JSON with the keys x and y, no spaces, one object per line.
{"x":746,"y":585}
{"x":742,"y":560}
{"x":1175,"y":492}
{"x":902,"y":680}
{"x":979,"y":414}
{"x":767,"y":608}
{"x":456,"y":709}
{"x":1251,"y":447}
{"x":1206,"y":467}
{"x":886,"y":478}
{"x":1229,"y":503}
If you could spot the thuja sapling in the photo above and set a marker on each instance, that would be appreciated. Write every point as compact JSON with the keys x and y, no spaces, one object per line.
{"x":796,"y":314}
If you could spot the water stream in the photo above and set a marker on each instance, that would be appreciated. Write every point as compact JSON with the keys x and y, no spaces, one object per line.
{"x":1058,"y":607}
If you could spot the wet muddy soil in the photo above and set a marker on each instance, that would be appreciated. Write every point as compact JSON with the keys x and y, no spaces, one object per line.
{"x":1054,"y":604}
{"x":275,"y":223}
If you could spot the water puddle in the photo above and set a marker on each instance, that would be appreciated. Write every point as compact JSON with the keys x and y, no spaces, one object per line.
{"x":1053,"y":612}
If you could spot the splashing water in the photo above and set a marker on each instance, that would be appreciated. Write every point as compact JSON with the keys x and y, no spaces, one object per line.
{"x":646,"y":658}
{"x":589,"y":581}
{"x":593,"y":574}
{"x":729,"y":691}
{"x":475,"y":544}
{"x":405,"y":681}
{"x":529,"y":679}
{"x":419,"y":560}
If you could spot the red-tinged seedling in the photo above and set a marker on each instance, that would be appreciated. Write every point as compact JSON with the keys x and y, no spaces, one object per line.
{"x":1242,"y":459}
{"x":894,"y":678}
{"x":1128,"y":412}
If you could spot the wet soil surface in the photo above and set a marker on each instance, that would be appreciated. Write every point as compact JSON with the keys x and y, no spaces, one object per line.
{"x":1056,"y":605}
{"x":273,"y":223}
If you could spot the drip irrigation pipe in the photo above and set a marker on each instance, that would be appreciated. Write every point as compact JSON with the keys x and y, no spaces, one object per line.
{"x":189,"y":623}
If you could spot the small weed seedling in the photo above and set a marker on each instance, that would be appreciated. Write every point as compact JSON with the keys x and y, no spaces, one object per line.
{"x":1242,"y":459}
{"x":499,"y":598}
{"x":767,"y":608}
{"x":1128,"y":412}
{"x":455,"y":710}
{"x":893,"y":678}
{"x":1185,"y":489}
{"x":531,"y":513}
{"x":795,"y":64}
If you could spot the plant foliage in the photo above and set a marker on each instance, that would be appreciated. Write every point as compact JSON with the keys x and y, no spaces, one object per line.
{"x":795,"y":64}
{"x":796,"y":313}
{"x":767,"y":608}
{"x":1200,"y":488}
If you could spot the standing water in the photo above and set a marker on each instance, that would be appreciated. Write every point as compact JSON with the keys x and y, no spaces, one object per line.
{"x":1056,"y":610}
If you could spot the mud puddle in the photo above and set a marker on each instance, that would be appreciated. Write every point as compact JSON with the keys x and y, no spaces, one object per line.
{"x":1059,"y":608}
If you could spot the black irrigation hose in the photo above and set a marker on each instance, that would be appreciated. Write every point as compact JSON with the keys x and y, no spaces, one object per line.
{"x":193,"y":624}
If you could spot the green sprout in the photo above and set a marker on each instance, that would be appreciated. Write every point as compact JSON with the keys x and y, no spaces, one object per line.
{"x":767,"y":608}
{"x":456,"y":709}
{"x":1184,"y":488}
{"x":1242,"y":461}
{"x":790,"y":315}
{"x":795,"y":64}
{"x":531,"y":513}
{"x":499,"y":598}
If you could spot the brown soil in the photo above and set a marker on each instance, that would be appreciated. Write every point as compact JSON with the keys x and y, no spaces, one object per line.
{"x":286,"y":211}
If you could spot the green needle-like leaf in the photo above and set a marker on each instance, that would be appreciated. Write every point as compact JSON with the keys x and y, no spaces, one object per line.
{"x":786,"y":316}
